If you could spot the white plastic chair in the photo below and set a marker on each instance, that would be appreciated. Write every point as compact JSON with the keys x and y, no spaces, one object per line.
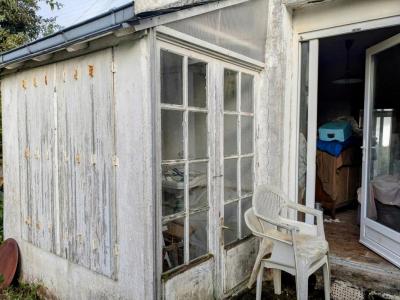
{"x":294,"y":247}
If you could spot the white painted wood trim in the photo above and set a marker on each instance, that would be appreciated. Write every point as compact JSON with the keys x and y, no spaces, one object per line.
{"x":156,"y":115}
{"x":312,"y":126}
{"x":296,"y":140}
{"x":350,"y":28}
{"x":293,"y":124}
{"x":365,"y":154}
{"x":194,"y":44}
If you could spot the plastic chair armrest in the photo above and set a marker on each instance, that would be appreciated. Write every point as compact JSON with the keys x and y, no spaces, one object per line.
{"x":304,"y":209}
{"x":315,"y":212}
{"x":267,"y":236}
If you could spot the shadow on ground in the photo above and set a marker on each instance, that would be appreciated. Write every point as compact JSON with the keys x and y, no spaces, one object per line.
{"x":288,"y":290}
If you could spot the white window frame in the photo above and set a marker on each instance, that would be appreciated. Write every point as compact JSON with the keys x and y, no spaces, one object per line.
{"x":186,"y":109}
{"x":218,"y":58}
{"x":239,"y":156}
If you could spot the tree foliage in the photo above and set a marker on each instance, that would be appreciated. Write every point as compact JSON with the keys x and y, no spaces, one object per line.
{"x":20,"y":22}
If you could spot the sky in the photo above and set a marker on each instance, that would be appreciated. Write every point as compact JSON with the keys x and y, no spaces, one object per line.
{"x":75,"y":11}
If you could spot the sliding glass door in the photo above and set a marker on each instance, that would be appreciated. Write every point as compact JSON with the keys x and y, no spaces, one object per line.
{"x":380,"y":221}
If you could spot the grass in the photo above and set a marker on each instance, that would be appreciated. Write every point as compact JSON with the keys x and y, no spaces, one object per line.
{"x":1,"y":216}
{"x":20,"y":290}
{"x":23,"y":291}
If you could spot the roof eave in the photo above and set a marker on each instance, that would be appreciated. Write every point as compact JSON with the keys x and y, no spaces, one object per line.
{"x":93,"y":28}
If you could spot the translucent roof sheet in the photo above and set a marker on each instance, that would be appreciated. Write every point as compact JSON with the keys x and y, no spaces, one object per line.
{"x":240,"y":28}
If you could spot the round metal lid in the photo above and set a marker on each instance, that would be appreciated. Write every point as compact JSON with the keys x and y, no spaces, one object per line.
{"x":8,"y":262}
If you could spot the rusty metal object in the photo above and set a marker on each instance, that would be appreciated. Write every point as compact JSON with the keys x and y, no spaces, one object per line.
{"x":8,"y":262}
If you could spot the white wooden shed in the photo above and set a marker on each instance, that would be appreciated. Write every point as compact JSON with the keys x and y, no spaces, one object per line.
{"x":115,"y":150}
{"x":134,"y":140}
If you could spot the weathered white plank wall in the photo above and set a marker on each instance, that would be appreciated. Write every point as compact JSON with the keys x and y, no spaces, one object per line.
{"x":66,"y":137}
{"x":102,"y":218}
{"x":135,"y":171}
{"x":86,"y":149}
{"x":11,"y":156}
{"x":35,"y":94}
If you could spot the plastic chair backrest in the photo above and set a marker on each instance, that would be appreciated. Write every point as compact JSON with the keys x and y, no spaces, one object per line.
{"x":268,"y":202}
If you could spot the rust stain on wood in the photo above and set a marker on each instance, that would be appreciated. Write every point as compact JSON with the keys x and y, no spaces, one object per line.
{"x":91,"y":70}
{"x":70,"y":199}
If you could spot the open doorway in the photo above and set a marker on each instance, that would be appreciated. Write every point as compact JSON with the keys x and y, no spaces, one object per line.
{"x":339,"y":157}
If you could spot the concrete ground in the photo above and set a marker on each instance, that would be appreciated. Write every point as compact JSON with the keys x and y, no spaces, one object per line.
{"x":340,"y":290}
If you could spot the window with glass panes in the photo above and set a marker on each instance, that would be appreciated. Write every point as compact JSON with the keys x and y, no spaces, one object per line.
{"x":238,"y":152}
{"x":185,"y":158}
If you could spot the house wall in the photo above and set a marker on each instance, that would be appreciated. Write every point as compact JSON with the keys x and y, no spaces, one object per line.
{"x":78,"y":173}
{"x":273,"y":111}
{"x":342,"y":12}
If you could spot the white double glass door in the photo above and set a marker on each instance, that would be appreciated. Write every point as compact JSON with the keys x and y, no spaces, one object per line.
{"x":207,"y":157}
{"x":380,"y":219}
{"x":380,"y":213}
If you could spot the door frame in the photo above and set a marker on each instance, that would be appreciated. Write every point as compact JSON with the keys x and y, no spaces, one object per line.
{"x":370,"y":227}
{"x":299,"y":37}
{"x":313,"y":37}
{"x":312,"y":126}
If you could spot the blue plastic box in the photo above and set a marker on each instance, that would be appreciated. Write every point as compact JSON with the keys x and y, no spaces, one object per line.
{"x":335,"y":131}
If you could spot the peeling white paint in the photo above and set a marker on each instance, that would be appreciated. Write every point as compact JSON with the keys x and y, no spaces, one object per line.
{"x":239,"y":263}
{"x":195,"y":283}
{"x":142,"y":6}
{"x":300,"y":3}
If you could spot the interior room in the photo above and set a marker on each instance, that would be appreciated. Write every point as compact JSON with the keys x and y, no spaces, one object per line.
{"x":341,"y":94}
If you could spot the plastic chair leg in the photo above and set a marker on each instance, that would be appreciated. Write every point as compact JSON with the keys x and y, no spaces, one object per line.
{"x":302,"y":285}
{"x":259,"y":282}
{"x":327,"y":281}
{"x":277,"y":282}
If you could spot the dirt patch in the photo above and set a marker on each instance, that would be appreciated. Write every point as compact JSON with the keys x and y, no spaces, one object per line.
{"x":340,"y":290}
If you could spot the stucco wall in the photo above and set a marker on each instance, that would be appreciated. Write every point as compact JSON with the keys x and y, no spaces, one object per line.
{"x":275,"y":91}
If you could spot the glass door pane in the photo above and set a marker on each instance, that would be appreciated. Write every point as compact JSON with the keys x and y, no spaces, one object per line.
{"x":380,"y":218}
{"x":238,"y":119}
{"x":184,"y":159}
{"x":384,"y":159}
